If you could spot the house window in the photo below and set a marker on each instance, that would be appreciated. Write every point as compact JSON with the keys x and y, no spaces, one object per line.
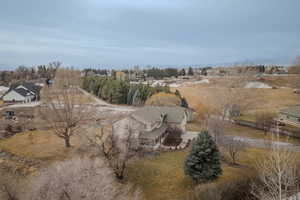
{"x":298,"y":119}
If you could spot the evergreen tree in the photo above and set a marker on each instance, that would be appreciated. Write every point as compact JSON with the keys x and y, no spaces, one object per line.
{"x":182,"y":72}
{"x":203,"y":162}
{"x":190,"y":72}
{"x":184,"y":103}
{"x":177,"y":93}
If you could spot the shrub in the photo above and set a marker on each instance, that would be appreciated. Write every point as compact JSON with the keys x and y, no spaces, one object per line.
{"x":203,"y":162}
{"x":76,"y":179}
{"x":173,"y":137}
{"x":238,"y":189}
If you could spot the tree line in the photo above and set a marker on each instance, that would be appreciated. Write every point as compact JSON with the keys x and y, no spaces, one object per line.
{"x":154,"y":72}
{"x":120,"y":91}
{"x":24,"y":73}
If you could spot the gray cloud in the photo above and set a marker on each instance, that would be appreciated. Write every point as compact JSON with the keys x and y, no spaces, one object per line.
{"x":122,"y":32}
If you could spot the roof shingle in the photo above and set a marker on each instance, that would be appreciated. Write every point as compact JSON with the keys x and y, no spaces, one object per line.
{"x":151,"y":114}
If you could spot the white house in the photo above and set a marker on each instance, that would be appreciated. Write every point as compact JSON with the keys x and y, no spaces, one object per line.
{"x":3,"y":90}
{"x":24,"y":93}
{"x":148,"y":125}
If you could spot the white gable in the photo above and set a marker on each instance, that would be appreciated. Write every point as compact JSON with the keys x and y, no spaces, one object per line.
{"x":21,"y":86}
{"x":13,"y":96}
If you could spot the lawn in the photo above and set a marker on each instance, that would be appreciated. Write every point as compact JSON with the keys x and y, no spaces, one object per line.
{"x":163,"y":178}
{"x":43,"y":145}
{"x":237,"y":130}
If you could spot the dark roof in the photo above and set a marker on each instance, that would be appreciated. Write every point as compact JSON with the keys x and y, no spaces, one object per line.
{"x":22,"y":92}
{"x":154,"y":133}
{"x":32,"y":87}
{"x":151,"y":114}
{"x":292,"y":111}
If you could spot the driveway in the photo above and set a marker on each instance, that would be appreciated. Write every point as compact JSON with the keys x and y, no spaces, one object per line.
{"x":22,"y":105}
{"x":102,"y":106}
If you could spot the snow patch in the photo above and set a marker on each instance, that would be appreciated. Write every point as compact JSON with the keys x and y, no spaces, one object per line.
{"x":174,"y":85}
{"x":3,"y":89}
{"x":256,"y":84}
{"x":158,"y":83}
{"x":202,"y":81}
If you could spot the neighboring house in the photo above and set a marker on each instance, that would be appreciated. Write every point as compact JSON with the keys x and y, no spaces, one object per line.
{"x":121,"y":76}
{"x":290,"y":115}
{"x":3,"y":90}
{"x":25,"y":93}
{"x":149,"y":124}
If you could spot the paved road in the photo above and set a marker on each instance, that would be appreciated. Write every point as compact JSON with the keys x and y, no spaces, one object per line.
{"x":104,"y":106}
{"x":21,"y":105}
{"x":108,"y":112}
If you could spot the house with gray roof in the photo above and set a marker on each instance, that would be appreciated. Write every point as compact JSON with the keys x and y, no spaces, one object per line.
{"x":25,"y":93}
{"x":290,"y":115}
{"x":148,"y":125}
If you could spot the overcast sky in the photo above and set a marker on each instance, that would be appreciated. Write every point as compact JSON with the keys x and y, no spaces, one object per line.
{"x":158,"y":32}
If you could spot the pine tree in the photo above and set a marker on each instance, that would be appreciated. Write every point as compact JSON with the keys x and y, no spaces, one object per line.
{"x":184,"y":103}
{"x":190,"y":71}
{"x":177,"y":93}
{"x":182,"y":72}
{"x":203,"y":162}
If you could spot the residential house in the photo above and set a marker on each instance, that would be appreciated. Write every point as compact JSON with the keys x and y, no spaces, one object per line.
{"x":3,"y":90}
{"x":290,"y":115}
{"x":121,"y":75}
{"x":25,"y":93}
{"x":148,"y":125}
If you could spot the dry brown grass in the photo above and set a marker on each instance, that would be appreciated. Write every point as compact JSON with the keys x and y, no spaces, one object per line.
{"x":42,"y":145}
{"x":282,"y":81}
{"x":263,"y":99}
{"x":237,"y":130}
{"x":163,"y":99}
{"x":163,"y":178}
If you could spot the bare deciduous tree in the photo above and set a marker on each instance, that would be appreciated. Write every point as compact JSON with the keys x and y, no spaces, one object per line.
{"x":278,"y":173}
{"x":117,"y":151}
{"x":233,"y":99}
{"x":63,"y":105}
{"x":233,"y":148}
{"x":78,"y":179}
{"x":216,"y":127}
{"x":264,"y":120}
{"x":228,"y":102}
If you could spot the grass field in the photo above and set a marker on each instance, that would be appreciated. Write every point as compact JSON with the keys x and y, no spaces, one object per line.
{"x":43,"y":145}
{"x":237,"y":130}
{"x":264,"y":99}
{"x":163,"y":178}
